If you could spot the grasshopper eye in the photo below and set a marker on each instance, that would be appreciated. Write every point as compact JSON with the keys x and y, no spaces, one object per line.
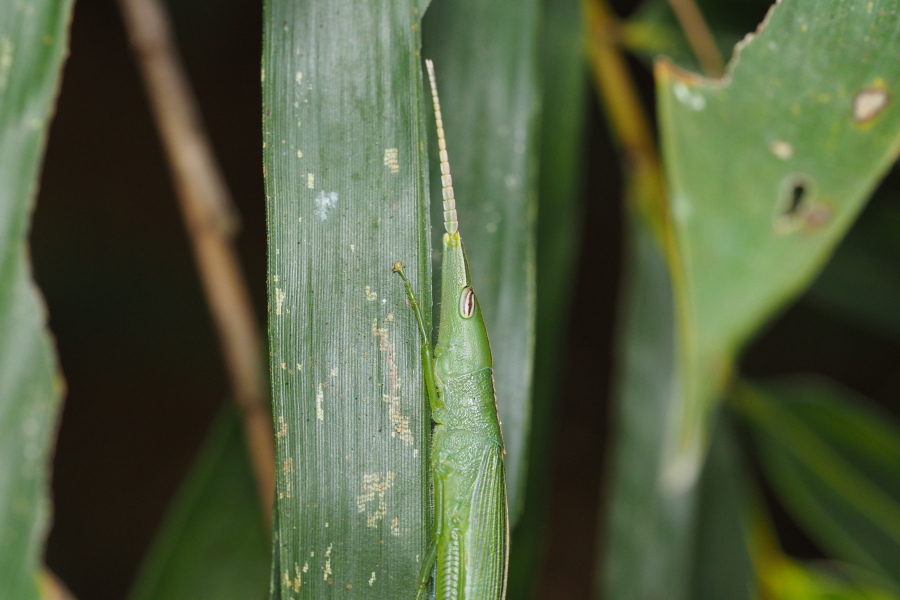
{"x":467,"y":303}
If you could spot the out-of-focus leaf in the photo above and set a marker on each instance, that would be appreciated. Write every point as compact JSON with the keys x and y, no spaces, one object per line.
{"x":486,"y":58}
{"x":654,"y":28}
{"x":861,"y":282}
{"x":646,"y":550}
{"x":833,"y":462}
{"x":345,"y":191}
{"x":562,"y":115}
{"x":33,"y":41}
{"x":794,"y":581}
{"x":722,"y":565}
{"x":213,"y":543}
{"x":766,"y":170}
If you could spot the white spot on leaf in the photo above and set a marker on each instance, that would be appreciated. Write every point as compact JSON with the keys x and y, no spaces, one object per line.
{"x":782,"y":149}
{"x":325,"y":203}
{"x":692,"y":99}
{"x":372,"y":500}
{"x":868,"y":103}
{"x":279,"y":300}
{"x":327,"y":572}
{"x":391,"y":161}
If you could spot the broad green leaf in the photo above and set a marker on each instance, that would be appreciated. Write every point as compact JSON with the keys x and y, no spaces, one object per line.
{"x":213,"y":542}
{"x":833,"y":462}
{"x":33,"y":41}
{"x":345,"y":191}
{"x":486,"y":57}
{"x":766,"y":170}
{"x":562,"y":116}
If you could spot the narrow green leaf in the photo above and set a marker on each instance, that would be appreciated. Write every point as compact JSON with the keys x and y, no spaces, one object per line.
{"x":345,"y":192}
{"x":33,"y":42}
{"x":646,"y":548}
{"x":213,"y":542}
{"x":562,"y":117}
{"x":833,"y":461}
{"x":767,"y":169}
{"x":485,"y":55}
{"x":722,"y":565}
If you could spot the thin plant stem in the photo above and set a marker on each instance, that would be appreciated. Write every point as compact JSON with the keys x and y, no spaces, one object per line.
{"x":211,"y":222}
{"x":699,"y":36}
{"x":625,"y":114}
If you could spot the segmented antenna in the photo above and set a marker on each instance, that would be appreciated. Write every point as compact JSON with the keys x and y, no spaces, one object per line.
{"x":451,"y":225}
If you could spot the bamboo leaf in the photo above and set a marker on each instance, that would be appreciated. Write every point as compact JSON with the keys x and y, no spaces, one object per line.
{"x":833,"y":462}
{"x":33,"y":42}
{"x":213,"y":540}
{"x":648,"y":529}
{"x":722,"y":564}
{"x":562,"y":120}
{"x":767,"y":169}
{"x":485,"y":54}
{"x":345,"y":192}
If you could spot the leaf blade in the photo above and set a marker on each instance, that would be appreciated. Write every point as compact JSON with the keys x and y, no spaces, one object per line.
{"x":790,"y":176}
{"x":33,"y":42}
{"x":213,"y":540}
{"x":345,"y":185}
{"x":833,"y":463}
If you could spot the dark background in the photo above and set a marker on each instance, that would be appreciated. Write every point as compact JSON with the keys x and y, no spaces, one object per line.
{"x":137,"y":347}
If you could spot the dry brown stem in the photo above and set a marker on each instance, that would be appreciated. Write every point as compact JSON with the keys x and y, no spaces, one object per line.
{"x":207,"y":210}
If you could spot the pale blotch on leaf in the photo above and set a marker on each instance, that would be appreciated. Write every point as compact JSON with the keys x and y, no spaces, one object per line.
{"x":869,"y":103}
{"x":690,"y":98}
{"x":279,"y":300}
{"x":781,"y":149}
{"x":325,"y":203}
{"x":391,"y":160}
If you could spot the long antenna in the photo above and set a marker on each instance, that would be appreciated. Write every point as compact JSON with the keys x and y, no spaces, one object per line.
{"x":451,"y":225}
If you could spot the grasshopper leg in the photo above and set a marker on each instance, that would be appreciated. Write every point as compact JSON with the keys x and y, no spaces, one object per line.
{"x":431,"y":557}
{"x":427,"y":357}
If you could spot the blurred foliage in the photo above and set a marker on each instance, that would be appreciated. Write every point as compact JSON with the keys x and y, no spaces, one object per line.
{"x":194,"y":555}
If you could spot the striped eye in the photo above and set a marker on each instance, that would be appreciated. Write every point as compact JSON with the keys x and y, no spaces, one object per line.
{"x":467,"y":303}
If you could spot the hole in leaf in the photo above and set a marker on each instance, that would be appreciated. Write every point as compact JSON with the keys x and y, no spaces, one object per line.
{"x":798,"y":193}
{"x":794,"y":203}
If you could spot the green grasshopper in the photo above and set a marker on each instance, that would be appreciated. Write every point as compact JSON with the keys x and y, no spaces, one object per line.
{"x":469,"y":552}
